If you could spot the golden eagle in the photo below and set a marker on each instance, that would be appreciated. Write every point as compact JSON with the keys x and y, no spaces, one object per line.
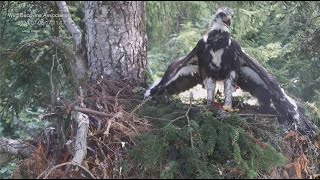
{"x":218,"y":57}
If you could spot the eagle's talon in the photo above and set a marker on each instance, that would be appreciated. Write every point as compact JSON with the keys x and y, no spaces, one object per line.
{"x":230,"y":109}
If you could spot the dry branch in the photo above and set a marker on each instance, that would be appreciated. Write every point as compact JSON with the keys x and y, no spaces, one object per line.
{"x":112,"y":131}
{"x":69,"y":23}
{"x":60,"y":165}
{"x":81,"y":138}
{"x":11,"y":147}
{"x":51,"y":40}
{"x":90,"y":111}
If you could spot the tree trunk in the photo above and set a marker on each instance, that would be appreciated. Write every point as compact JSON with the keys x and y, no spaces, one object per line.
{"x":116,"y":40}
{"x":78,"y":56}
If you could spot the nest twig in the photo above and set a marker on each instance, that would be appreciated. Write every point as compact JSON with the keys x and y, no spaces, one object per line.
{"x":111,"y":130}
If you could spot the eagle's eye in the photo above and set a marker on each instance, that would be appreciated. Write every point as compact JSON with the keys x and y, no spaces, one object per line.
{"x":221,"y":14}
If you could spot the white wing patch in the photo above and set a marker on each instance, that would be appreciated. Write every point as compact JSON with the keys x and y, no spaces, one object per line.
{"x":293,"y":102}
{"x":147,"y":93}
{"x":216,"y":57}
{"x":205,"y":38}
{"x":249,"y":73}
{"x":187,"y":70}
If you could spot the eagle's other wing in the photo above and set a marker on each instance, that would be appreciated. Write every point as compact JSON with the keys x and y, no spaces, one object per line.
{"x":180,"y":76}
{"x":263,"y":85}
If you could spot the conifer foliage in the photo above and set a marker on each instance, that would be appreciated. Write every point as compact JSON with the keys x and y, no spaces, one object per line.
{"x":194,"y":143}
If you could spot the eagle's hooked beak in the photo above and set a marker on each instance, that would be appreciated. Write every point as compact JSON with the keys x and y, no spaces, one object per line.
{"x":227,"y":21}
{"x":226,"y":14}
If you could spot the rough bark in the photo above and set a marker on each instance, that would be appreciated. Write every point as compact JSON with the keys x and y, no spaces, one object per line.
{"x":116,"y":40}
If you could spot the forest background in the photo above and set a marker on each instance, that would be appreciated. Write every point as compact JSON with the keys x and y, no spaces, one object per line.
{"x":283,"y":36}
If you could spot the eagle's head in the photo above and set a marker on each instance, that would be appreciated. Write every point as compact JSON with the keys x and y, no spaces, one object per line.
{"x":223,"y":17}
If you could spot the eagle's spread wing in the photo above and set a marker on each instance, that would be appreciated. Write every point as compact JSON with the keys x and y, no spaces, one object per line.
{"x":184,"y":74}
{"x":260,"y":83}
{"x":180,"y":76}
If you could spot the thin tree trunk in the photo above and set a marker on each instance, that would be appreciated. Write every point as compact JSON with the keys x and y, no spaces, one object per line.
{"x":116,"y":40}
{"x":79,"y":66}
